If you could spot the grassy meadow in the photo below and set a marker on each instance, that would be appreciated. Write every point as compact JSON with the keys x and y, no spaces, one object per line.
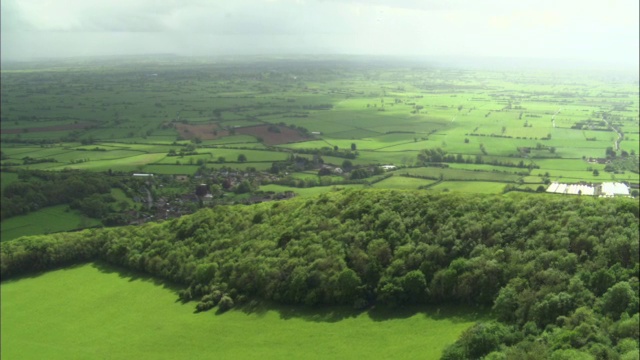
{"x":44,"y":221}
{"x":97,"y":311}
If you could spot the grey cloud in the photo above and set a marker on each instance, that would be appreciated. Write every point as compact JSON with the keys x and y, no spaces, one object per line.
{"x":527,"y":28}
{"x":12,"y":18}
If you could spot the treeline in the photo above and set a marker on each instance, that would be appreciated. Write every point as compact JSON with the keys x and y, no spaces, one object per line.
{"x":561,"y":274}
{"x":327,"y":151}
{"x":437,"y":155}
{"x":86,"y":191}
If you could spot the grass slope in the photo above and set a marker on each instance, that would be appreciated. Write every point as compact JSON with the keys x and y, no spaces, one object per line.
{"x":95,"y":311}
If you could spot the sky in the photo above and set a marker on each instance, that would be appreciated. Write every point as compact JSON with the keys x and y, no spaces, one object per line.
{"x":594,"y":31}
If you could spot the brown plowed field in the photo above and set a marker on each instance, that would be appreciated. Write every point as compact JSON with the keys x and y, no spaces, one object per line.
{"x":285,"y":136}
{"x":206,"y":132}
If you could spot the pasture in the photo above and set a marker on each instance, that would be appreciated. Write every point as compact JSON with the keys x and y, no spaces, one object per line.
{"x":8,"y":178}
{"x":459,"y":174}
{"x":470,"y":187}
{"x":46,"y":220}
{"x":312,"y":191}
{"x":400,"y":182}
{"x":94,"y":310}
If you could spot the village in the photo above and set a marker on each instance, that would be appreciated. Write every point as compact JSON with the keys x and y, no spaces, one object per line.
{"x":170,"y":196}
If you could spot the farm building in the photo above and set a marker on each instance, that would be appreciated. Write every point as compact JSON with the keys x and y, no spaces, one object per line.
{"x":552,"y":188}
{"x":580,"y":190}
{"x":388,"y":167}
{"x":571,"y":189}
{"x":610,"y":189}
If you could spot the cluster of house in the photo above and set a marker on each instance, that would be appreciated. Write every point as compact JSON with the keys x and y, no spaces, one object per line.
{"x":607,"y":189}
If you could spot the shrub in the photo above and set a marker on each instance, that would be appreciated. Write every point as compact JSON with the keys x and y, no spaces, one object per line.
{"x":225,"y":303}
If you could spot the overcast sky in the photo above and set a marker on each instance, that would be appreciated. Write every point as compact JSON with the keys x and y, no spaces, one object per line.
{"x":602,"y":31}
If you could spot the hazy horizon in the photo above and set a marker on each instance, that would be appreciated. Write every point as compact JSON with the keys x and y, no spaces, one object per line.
{"x":595,"y":33}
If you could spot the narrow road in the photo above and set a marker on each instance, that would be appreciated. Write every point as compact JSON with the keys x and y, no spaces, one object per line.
{"x":553,"y":118}
{"x":616,"y":144}
{"x":149,"y":198}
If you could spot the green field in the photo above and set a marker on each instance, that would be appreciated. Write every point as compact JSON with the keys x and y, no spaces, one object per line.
{"x":8,"y":178}
{"x":95,"y":311}
{"x":400,"y":182}
{"x":460,"y":174}
{"x":312,"y":191}
{"x":470,"y":187}
{"x":121,"y":197}
{"x":47,"y":220}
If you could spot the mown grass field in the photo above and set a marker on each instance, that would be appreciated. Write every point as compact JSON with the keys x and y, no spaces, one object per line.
{"x":95,"y":311}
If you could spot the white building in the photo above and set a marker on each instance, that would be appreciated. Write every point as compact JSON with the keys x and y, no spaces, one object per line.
{"x":571,"y":189}
{"x":610,"y":189}
{"x":552,"y":188}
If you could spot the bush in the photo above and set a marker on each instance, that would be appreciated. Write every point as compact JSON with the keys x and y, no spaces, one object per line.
{"x":204,"y":306}
{"x":454,"y":352}
{"x":225,"y":303}
{"x":483,"y":338}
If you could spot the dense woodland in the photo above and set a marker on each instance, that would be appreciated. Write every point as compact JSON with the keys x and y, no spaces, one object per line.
{"x":85,"y":191}
{"x":560,"y":273}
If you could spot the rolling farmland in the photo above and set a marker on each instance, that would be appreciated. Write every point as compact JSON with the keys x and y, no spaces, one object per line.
{"x":310,"y":126}
{"x":122,"y":118}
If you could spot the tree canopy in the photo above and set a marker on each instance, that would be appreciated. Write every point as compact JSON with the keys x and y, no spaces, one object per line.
{"x":560,"y":273}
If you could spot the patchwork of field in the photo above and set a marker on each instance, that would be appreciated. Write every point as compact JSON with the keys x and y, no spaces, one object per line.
{"x":96,"y":311}
{"x":121,"y":118}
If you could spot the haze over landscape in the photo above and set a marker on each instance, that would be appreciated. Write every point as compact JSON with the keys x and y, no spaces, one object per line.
{"x":601,"y":33}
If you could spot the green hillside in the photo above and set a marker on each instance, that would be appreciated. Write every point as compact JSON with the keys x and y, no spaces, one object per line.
{"x":95,"y":311}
